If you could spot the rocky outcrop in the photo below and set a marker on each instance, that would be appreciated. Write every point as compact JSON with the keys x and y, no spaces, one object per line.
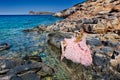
{"x":28,"y":68}
{"x":66,"y":12}
{"x":40,"y":28}
{"x":97,"y":16}
{"x":100,"y":19}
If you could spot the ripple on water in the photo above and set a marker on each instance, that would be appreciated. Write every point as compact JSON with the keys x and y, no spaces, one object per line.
{"x":22,"y":43}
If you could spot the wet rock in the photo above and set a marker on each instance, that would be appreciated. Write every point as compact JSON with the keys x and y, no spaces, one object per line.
{"x":16,"y":78}
{"x":4,"y":46}
{"x":7,"y":63}
{"x":94,"y":41}
{"x":36,"y":29}
{"x":30,"y":76}
{"x":33,"y":57}
{"x":23,"y":69}
{"x":32,"y":66}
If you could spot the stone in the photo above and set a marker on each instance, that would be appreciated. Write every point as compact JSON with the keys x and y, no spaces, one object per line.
{"x":28,"y":67}
{"x":94,"y":41}
{"x":55,"y":38}
{"x":118,"y":67}
{"x":36,"y":29}
{"x":98,"y":61}
{"x":106,"y":50}
{"x":116,"y":52}
{"x":116,"y":8}
{"x":16,"y":78}
{"x":110,"y":44}
{"x":7,"y":63}
{"x":4,"y":71}
{"x":88,"y":28}
{"x":90,"y":21}
{"x":30,"y":76}
{"x":7,"y":77}
{"x":4,"y":46}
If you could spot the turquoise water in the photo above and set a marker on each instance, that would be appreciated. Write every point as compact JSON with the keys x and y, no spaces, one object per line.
{"x":11,"y":27}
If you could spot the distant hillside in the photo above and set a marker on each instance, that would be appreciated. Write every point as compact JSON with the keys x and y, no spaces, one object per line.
{"x":40,"y":13}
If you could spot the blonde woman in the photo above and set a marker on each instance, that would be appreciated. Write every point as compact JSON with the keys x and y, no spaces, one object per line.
{"x":76,"y":50}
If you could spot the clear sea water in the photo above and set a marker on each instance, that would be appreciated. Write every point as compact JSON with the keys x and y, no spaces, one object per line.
{"x":11,"y":27}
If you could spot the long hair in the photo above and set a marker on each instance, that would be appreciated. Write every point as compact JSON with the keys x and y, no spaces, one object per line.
{"x":79,"y":36}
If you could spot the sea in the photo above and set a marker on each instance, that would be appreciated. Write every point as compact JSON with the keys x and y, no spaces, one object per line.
{"x":11,"y":32}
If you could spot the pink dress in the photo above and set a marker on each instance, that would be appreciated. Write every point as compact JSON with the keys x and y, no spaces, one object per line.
{"x":78,"y":52}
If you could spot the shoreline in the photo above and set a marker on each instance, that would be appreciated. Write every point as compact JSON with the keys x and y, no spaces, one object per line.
{"x":102,"y":25}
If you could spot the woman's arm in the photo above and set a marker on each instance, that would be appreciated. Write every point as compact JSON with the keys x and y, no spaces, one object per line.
{"x":63,"y":44}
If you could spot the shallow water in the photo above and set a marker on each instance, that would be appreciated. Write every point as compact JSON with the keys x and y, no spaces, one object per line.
{"x":11,"y":27}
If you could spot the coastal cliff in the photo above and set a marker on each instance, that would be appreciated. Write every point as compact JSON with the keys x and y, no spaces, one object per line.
{"x":100,"y":19}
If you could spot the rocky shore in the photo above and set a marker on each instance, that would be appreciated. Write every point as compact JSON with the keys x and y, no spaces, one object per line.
{"x":100,"y":19}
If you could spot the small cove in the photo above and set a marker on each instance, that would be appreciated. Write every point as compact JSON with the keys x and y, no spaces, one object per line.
{"x":21,"y":43}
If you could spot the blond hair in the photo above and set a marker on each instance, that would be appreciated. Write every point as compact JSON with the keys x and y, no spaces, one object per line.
{"x":79,"y":36}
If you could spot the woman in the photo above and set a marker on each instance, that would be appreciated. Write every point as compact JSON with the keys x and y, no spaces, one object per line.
{"x":76,"y":50}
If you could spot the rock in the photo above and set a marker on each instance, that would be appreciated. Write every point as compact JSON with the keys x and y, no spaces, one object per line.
{"x":30,"y":76}
{"x":110,"y":44}
{"x":118,"y":67}
{"x":100,"y":19}
{"x":94,"y":41}
{"x":98,"y":61}
{"x":55,"y":38}
{"x":4,"y":46}
{"x":27,"y":68}
{"x":58,"y":14}
{"x":116,"y":52}
{"x":90,"y":21}
{"x":116,"y":8}
{"x":4,"y":71}
{"x":36,"y":29}
{"x":88,"y":28}
{"x":32,"y":66}
{"x":106,"y":50}
{"x":104,"y":12}
{"x":16,"y":78}
{"x":65,"y":13}
{"x":33,"y":57}
{"x":115,"y":61}
{"x":8,"y":77}
{"x":7,"y":63}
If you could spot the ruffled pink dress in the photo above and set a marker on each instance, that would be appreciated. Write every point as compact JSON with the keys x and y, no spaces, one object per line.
{"x":77,"y":52}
